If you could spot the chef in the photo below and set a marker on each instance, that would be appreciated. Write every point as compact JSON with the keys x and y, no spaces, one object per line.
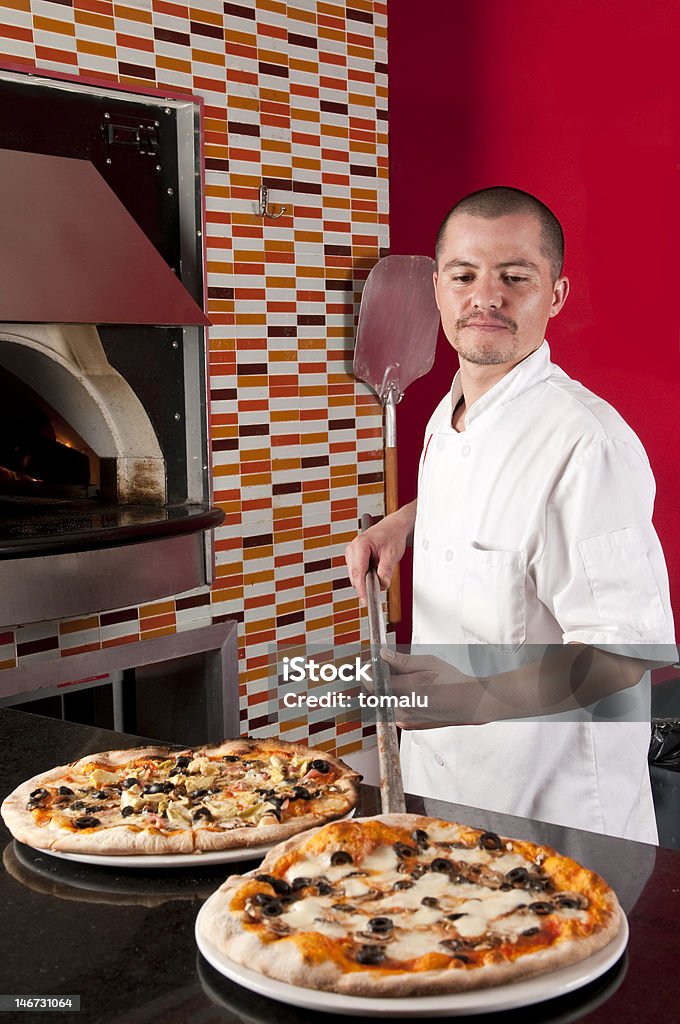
{"x":540,"y":592}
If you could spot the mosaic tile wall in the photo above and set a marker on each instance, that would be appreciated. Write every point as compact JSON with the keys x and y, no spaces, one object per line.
{"x":296,"y":98}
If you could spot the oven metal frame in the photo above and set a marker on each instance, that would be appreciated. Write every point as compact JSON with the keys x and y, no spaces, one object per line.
{"x":178,"y":563}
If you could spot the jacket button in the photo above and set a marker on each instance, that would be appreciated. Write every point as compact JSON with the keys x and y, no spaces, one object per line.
{"x":449,"y":555}
{"x":465,"y":450}
{"x":439,"y":760}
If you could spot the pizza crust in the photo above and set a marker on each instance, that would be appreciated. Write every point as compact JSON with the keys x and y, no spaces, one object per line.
{"x":132,"y":840}
{"x":283,"y":960}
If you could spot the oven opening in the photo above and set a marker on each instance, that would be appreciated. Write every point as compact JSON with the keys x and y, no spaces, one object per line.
{"x":41,"y":454}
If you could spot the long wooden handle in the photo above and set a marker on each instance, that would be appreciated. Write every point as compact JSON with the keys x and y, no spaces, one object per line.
{"x":391,"y":505}
{"x":391,"y":782}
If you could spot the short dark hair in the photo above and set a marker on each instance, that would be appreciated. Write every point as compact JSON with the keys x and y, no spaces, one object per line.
{"x":501,"y":200}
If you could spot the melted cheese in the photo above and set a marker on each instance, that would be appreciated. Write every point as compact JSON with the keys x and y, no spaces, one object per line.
{"x":417,"y":929}
{"x":382,"y":859}
{"x":303,"y":913}
{"x":354,"y":887}
{"x":407,"y":946}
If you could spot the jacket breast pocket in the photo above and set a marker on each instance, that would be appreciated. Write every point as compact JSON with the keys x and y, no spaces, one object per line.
{"x":493,"y":605}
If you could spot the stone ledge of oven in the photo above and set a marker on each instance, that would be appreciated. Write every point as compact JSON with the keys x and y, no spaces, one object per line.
{"x":59,"y":527}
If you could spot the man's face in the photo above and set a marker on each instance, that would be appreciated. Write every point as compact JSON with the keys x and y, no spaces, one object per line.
{"x":494,"y":288}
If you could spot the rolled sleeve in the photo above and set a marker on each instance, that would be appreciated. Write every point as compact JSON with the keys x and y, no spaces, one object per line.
{"x":602,"y":572}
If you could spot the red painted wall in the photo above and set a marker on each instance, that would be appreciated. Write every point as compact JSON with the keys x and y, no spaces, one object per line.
{"x":579,"y":103}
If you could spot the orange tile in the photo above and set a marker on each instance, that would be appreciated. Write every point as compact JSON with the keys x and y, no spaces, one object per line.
{"x":271,"y":5}
{"x":47,"y":53}
{"x":93,"y":18}
{"x":151,"y":634}
{"x":208,"y":57}
{"x":148,"y":622}
{"x":97,"y":49}
{"x":79,"y":625}
{"x":206,"y":17}
{"x":135,"y":14}
{"x":67,"y":652}
{"x":118,"y":641}
{"x":66,"y":28}
{"x":173,"y":9}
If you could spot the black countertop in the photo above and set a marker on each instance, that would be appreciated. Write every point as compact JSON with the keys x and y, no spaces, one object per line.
{"x":124,"y":940}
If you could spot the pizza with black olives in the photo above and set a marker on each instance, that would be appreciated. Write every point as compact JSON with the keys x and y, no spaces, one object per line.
{"x":155,"y":800}
{"x":400,"y":905}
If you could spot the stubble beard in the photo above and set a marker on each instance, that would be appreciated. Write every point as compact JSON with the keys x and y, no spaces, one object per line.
{"x":486,"y":353}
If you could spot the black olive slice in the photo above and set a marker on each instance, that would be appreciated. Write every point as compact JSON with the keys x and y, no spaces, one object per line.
{"x":380,"y":924}
{"x":280,"y":885}
{"x":127,"y":811}
{"x":518,"y":876}
{"x":403,"y":850}
{"x":159,"y":787}
{"x":462,"y":957}
{"x":267,"y":879}
{"x":300,"y":883}
{"x":87,"y":821}
{"x":262,"y":898}
{"x":230,"y":758}
{"x":420,"y":837}
{"x":320,"y":766}
{"x":38,"y":794}
{"x":542,"y":885}
{"x":339,"y":857}
{"x":454,"y":917}
{"x":441,"y":865}
{"x":324,"y":888}
{"x":403,"y":884}
{"x":273,"y":909}
{"x":567,"y":902}
{"x":130,"y":782}
{"x":370,"y":955}
{"x":541,"y":907}
{"x":430,"y":901}
{"x":531,"y":931}
{"x":202,"y":812}
{"x":300,"y":793}
{"x":490,"y":841}
{"x":452,"y":944}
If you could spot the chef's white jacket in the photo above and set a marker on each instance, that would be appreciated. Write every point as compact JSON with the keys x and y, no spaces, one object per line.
{"x":534,"y":527}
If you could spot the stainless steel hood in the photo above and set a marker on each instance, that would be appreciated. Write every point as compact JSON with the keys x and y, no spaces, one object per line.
{"x":71,"y":253}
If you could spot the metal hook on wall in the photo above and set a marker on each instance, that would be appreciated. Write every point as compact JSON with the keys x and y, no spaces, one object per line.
{"x":264,"y":205}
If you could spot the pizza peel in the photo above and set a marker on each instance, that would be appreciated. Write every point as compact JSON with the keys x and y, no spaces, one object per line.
{"x":391,"y":783}
{"x":396,"y":339}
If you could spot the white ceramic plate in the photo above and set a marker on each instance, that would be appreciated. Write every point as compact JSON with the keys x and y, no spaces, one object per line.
{"x":166,"y":860}
{"x":455,"y":1004}
{"x":172,"y":860}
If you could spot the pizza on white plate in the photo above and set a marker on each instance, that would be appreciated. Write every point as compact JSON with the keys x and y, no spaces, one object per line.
{"x":156,"y":800}
{"x":400,"y":905}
